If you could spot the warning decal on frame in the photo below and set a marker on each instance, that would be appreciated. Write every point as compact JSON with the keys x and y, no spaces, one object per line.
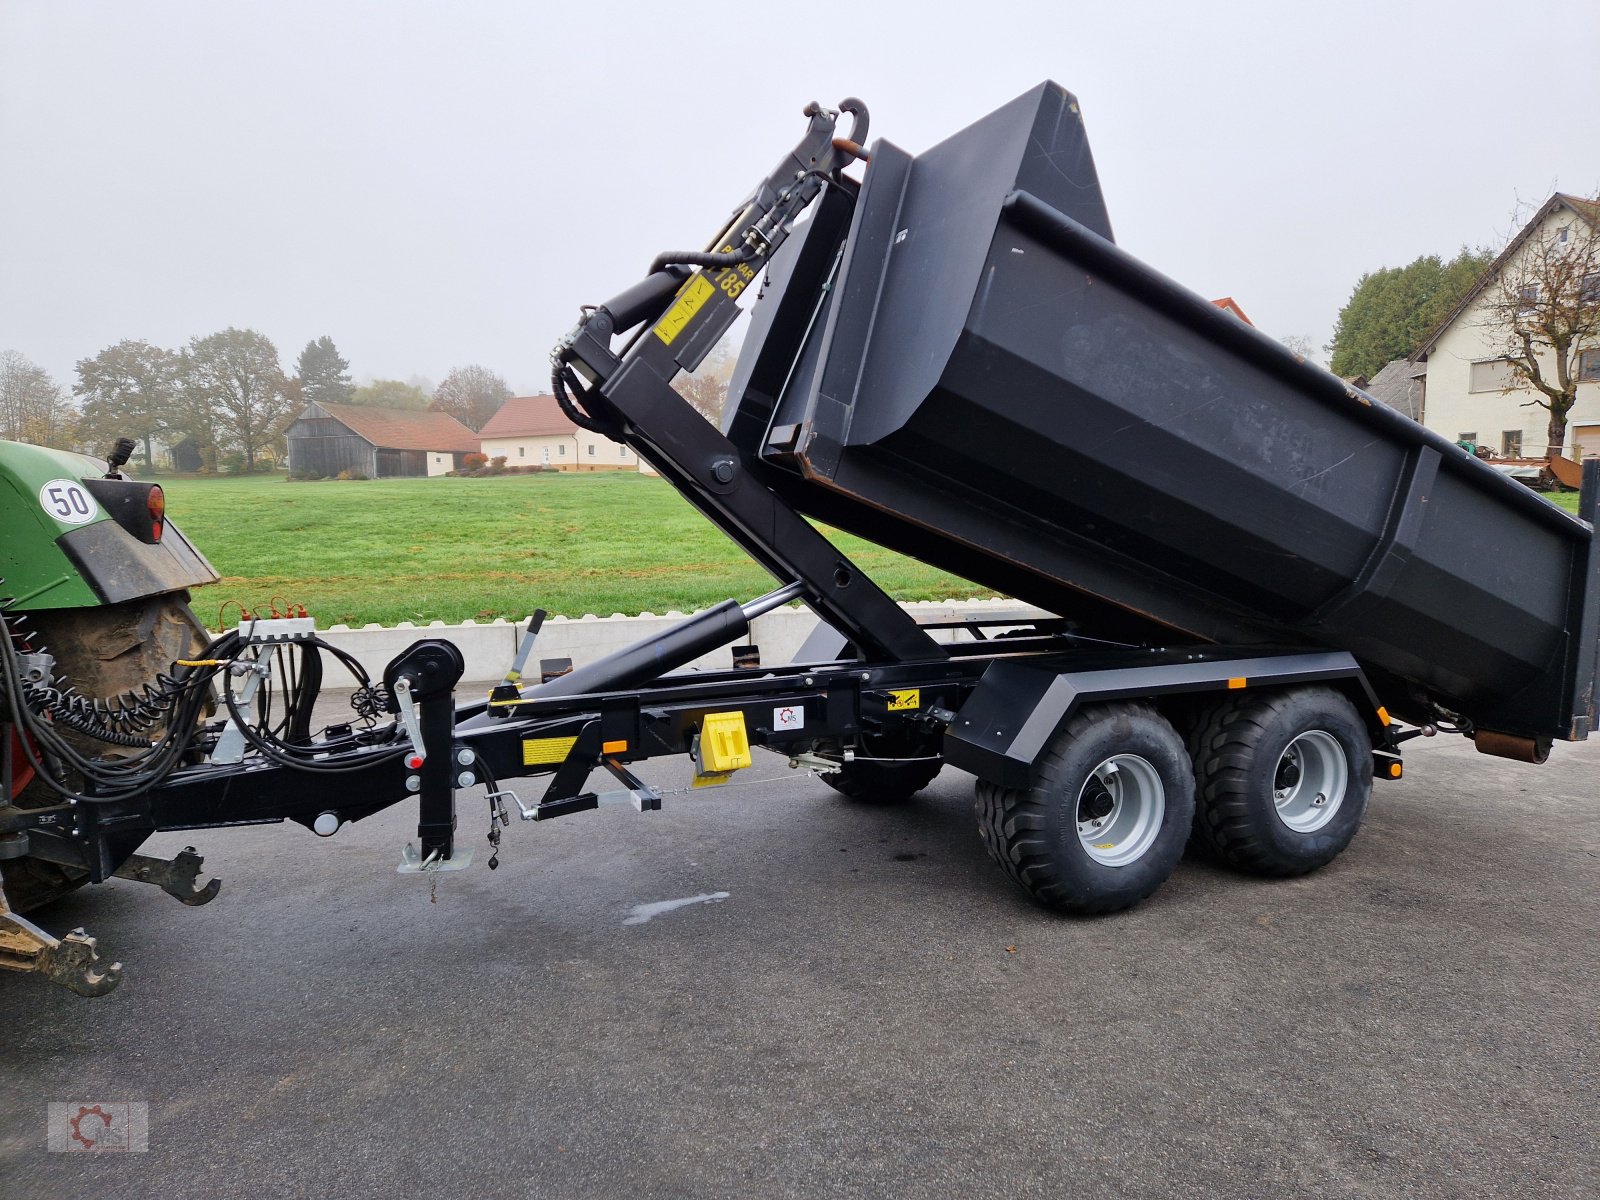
{"x":540,"y":752}
{"x":693,"y":294}
{"x":789,"y":716}
{"x":911,"y":698}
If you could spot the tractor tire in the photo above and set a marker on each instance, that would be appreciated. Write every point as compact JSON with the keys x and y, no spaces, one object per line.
{"x":1282,"y":780}
{"x":32,"y":883}
{"x":104,"y":652}
{"x":1107,"y":817}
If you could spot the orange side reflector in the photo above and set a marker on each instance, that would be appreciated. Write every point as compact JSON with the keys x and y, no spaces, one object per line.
{"x":618,"y":747}
{"x":1236,"y":683}
{"x":1383,"y":715}
{"x":1394,"y":770}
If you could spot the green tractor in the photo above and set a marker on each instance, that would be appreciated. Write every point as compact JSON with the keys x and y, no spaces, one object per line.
{"x":93,"y":614}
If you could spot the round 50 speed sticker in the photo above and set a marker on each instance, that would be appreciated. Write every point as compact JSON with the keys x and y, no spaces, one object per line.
{"x":68,"y":501}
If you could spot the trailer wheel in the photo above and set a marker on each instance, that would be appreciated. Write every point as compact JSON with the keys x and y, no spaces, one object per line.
{"x":1282,"y":780}
{"x":886,"y":782}
{"x":1107,"y":817}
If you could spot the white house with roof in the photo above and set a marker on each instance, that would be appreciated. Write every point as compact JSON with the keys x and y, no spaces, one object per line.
{"x":532,"y":431}
{"x":1470,"y":393}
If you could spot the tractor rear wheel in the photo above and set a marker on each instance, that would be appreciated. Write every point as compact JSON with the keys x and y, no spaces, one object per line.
{"x":103,"y":652}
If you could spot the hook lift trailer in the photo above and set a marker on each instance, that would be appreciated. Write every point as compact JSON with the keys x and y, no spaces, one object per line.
{"x":1257,"y":571}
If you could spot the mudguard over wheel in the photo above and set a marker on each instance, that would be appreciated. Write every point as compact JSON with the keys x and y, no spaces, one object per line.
{"x":1108,"y":815}
{"x":1282,"y":780}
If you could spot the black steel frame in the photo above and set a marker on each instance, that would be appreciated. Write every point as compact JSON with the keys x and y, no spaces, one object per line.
{"x":840,"y":701}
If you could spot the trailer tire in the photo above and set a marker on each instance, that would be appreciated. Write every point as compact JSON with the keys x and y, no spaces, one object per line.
{"x":885,"y":783}
{"x":1282,"y":780}
{"x":1044,"y":836}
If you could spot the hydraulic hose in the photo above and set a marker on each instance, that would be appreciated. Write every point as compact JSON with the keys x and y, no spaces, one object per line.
{"x":701,"y":258}
{"x":560,"y":379}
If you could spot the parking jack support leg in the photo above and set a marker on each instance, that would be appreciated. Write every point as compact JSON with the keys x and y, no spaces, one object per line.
{"x":422,"y":681}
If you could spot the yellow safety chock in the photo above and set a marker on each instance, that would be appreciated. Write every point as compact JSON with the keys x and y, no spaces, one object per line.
{"x":723,"y":746}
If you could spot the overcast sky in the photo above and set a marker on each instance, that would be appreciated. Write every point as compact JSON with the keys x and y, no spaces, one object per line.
{"x":440,"y":184}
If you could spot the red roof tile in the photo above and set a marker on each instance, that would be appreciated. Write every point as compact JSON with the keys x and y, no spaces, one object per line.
{"x":1229,"y":304}
{"x":528,"y":416}
{"x":405,"y":429}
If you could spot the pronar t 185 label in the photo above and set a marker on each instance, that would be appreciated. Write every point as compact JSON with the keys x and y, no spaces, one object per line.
{"x":68,"y":501}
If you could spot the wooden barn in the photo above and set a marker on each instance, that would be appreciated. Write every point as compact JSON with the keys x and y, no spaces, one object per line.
{"x":380,"y":443}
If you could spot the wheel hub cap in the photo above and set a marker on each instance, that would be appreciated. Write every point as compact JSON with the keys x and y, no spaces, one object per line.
{"x":1120,"y":810}
{"x":1311,"y":780}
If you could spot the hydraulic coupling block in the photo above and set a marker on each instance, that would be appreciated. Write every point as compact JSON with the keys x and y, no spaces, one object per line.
{"x":278,"y":629}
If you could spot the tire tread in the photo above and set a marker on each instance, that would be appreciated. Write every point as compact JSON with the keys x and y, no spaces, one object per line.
{"x":1225,"y":825}
{"x":1014,"y":824}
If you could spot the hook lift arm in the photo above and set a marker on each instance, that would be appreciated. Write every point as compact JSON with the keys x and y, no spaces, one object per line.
{"x":681,"y":309}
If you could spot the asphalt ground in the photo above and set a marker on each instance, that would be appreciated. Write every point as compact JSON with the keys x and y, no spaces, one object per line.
{"x":872,"y":1010}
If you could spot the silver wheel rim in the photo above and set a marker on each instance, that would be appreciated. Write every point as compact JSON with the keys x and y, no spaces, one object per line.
{"x":1119,"y":810}
{"x":1310,"y":781}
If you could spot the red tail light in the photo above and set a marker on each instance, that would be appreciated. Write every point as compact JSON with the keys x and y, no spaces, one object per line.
{"x":156,"y":505}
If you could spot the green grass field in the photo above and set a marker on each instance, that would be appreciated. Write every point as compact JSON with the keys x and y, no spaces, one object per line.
{"x":450,"y":549}
{"x":1566,"y":500}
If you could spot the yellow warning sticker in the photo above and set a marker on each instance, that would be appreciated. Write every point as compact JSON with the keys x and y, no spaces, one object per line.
{"x":691,"y":297}
{"x":907,"y":699}
{"x":537,"y":752}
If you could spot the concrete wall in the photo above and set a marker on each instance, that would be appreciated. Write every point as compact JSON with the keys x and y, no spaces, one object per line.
{"x":489,"y":648}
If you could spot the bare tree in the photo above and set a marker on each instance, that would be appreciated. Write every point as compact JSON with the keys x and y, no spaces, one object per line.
{"x":33,"y":407}
{"x":471,"y":395}
{"x":1301,"y":344}
{"x":1544,"y":307}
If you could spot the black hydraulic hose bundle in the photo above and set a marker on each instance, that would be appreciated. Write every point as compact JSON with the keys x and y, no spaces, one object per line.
{"x":318,"y":757}
{"x":120,"y":720}
{"x":564,"y":377}
{"x":53,"y":756}
{"x":43,"y":710}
